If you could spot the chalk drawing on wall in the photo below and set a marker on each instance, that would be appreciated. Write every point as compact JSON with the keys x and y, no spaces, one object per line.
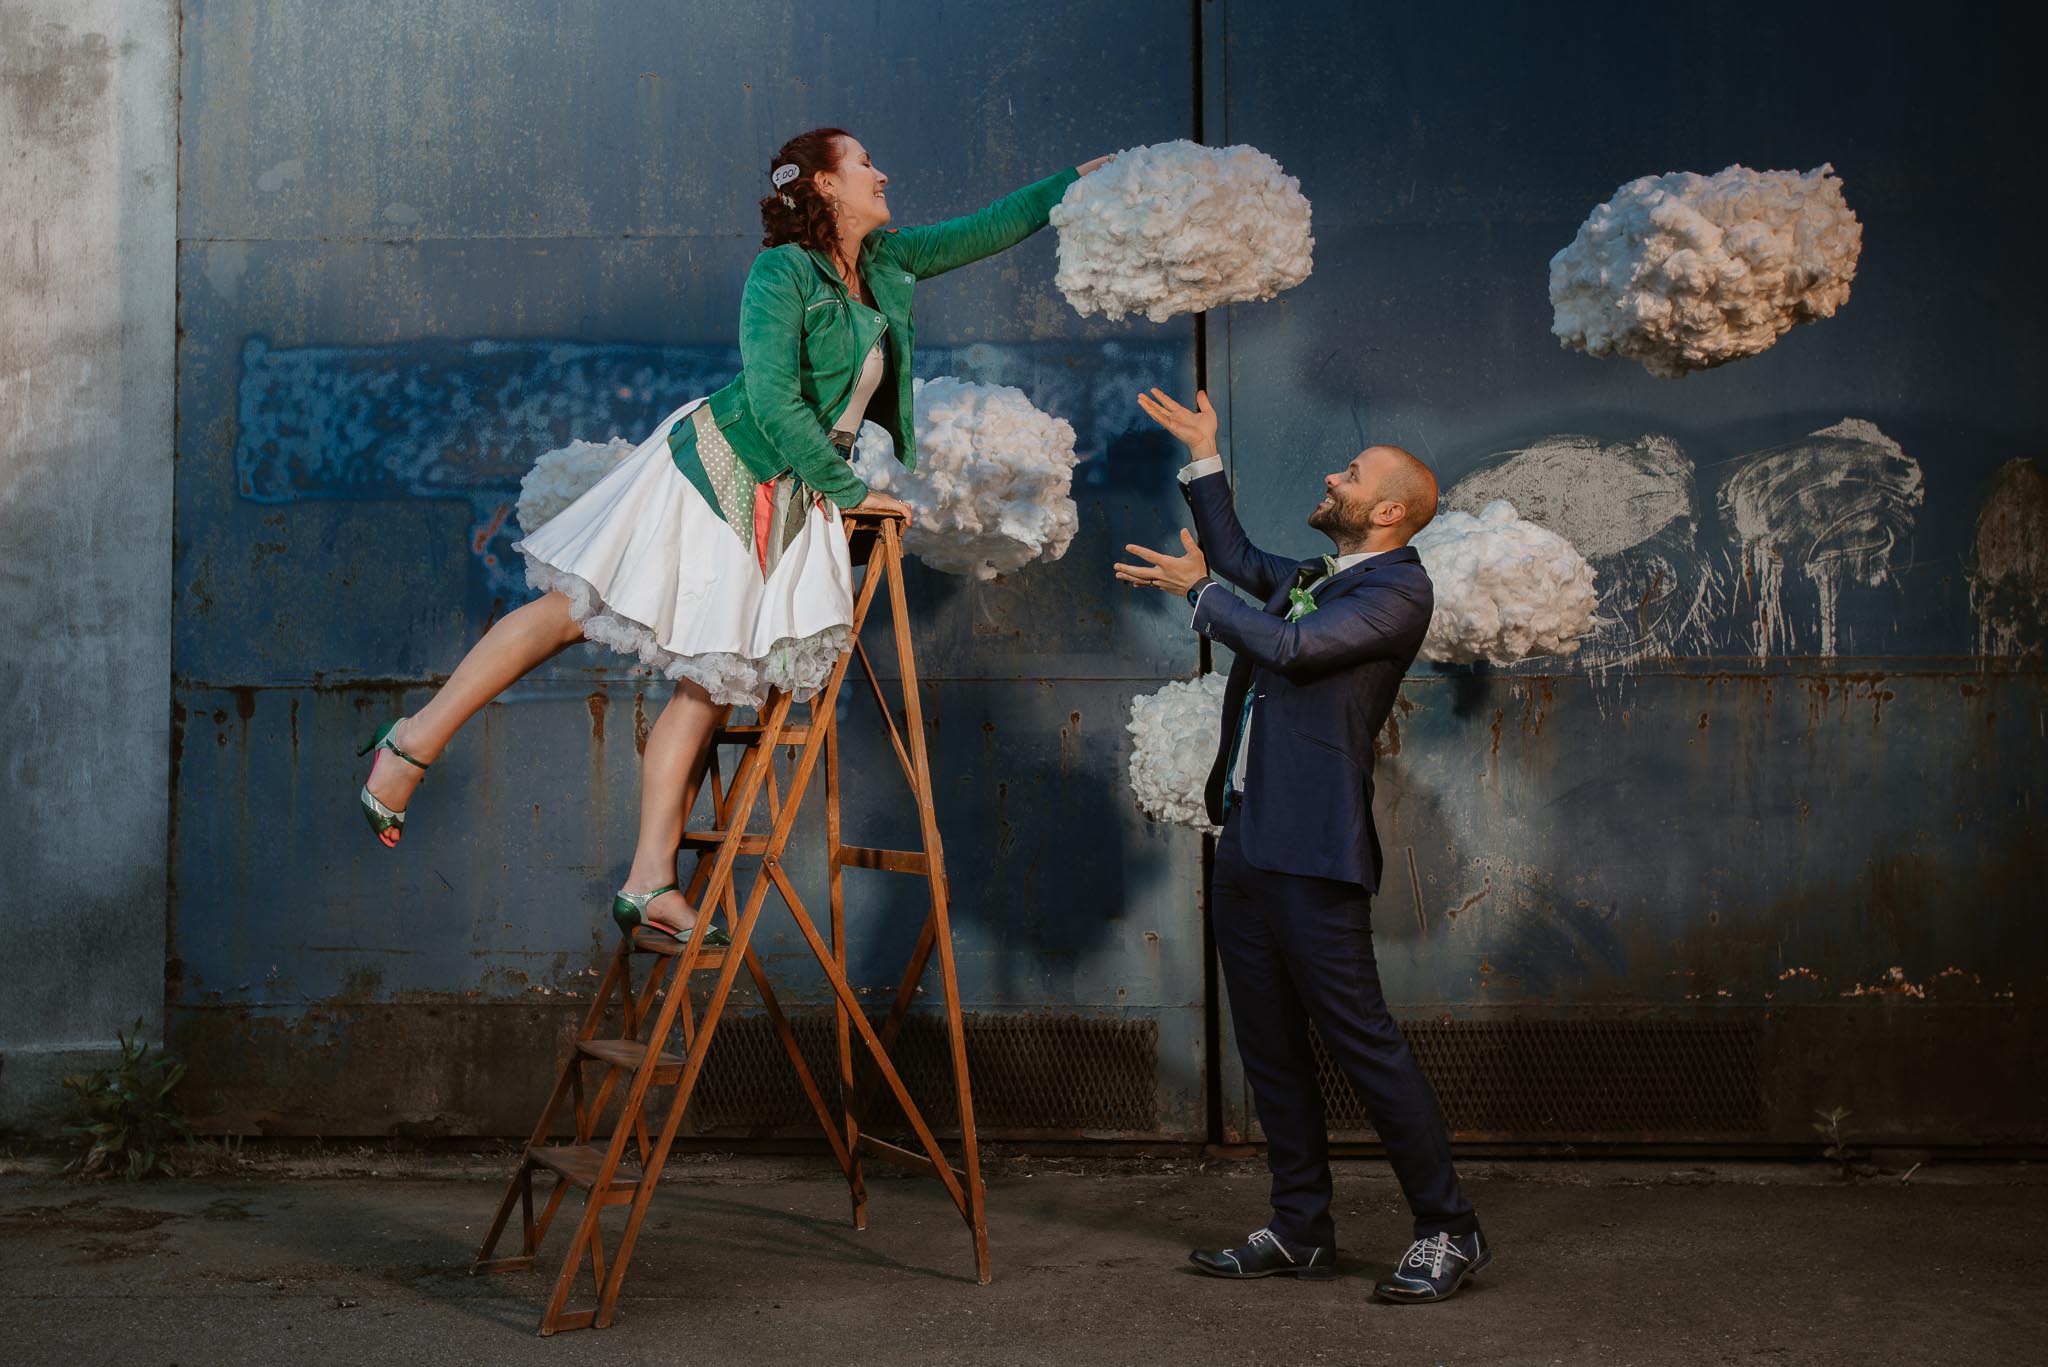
{"x":1833,"y":509}
{"x":466,"y":420}
{"x":2009,"y":563}
{"x":1628,"y":507}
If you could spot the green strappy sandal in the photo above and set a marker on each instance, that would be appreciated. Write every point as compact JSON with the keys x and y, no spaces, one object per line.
{"x":381,"y":817}
{"x":629,"y":909}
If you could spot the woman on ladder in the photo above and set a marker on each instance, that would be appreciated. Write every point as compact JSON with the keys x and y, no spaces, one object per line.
{"x":715,"y":551}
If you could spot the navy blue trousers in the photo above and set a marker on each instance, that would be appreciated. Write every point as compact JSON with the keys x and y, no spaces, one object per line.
{"x":1296,"y":950}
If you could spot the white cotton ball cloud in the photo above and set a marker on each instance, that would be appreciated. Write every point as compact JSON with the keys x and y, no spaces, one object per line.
{"x":992,"y":491}
{"x":564,"y":475}
{"x":1506,"y":589}
{"x":1176,"y":732}
{"x":1177,"y":227}
{"x":1683,"y":272}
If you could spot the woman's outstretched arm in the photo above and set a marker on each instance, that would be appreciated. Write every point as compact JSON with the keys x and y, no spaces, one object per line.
{"x":940,"y":247}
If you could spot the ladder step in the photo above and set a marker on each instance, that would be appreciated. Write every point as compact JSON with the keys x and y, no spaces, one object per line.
{"x":894,"y":861}
{"x":627,"y":1054}
{"x":749,"y":844}
{"x":748,"y":733}
{"x":647,"y":941}
{"x":579,"y":1163}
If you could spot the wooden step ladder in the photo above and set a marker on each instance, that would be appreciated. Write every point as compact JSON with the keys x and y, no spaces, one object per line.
{"x":634,"y":1057}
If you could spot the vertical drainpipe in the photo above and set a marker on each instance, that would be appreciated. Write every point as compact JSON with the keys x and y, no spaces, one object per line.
{"x":1212,"y":341}
{"x":172,"y":976}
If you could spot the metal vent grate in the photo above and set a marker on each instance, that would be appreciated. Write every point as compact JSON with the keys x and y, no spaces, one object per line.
{"x":1541,"y":1079}
{"x":1031,"y":1074}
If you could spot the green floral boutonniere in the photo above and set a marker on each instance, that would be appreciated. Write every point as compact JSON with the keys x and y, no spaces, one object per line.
{"x":1303,"y":602}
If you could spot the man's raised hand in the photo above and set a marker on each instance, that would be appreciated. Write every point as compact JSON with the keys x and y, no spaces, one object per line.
{"x":1173,"y":573}
{"x":1197,"y":429}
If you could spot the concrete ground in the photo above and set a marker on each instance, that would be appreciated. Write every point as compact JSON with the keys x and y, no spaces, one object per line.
{"x":363,"y":1258}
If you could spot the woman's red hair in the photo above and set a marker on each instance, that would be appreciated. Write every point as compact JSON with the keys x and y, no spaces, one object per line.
{"x":799,"y":211}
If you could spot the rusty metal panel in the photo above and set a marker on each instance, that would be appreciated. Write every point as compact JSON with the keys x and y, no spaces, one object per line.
{"x":1791,"y":790}
{"x":423,"y":246}
{"x":1803,"y":854}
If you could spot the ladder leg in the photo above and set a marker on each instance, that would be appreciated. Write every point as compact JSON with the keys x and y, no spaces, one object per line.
{"x":572,"y":1261}
{"x":640,"y":1136}
{"x":835,"y":875}
{"x":597,"y":1246}
{"x":942,"y":931}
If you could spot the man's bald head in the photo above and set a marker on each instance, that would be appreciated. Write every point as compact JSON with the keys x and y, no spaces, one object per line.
{"x":1377,"y":502}
{"x":1408,"y":482}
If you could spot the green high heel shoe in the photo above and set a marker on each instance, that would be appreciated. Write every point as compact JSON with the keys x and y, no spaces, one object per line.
{"x":629,"y":909}
{"x":381,"y":817}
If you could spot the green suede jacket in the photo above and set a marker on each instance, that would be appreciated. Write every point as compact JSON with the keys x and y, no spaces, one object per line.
{"x":801,"y":345}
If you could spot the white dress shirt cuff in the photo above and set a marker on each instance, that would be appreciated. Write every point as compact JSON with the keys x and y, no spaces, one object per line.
{"x":1195,"y":469}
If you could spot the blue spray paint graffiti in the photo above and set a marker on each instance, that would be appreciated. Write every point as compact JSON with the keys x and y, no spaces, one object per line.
{"x":465,"y":420}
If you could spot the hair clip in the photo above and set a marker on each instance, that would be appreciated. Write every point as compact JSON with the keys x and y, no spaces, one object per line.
{"x":784,"y":174}
{"x":787,"y":202}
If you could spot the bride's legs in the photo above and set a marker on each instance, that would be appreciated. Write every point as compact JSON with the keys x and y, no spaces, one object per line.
{"x":520,"y":640}
{"x":676,"y":750}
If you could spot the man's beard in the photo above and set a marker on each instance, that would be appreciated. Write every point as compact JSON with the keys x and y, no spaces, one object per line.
{"x":1341,"y":524}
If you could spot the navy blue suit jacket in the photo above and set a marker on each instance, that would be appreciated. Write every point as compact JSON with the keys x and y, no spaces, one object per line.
{"x":1325,"y":684}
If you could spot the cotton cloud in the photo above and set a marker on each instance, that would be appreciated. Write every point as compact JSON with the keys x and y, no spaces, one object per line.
{"x":992,"y":488}
{"x":1682,"y":272}
{"x":1177,"y":227}
{"x":1506,"y":589}
{"x":1175,"y":733}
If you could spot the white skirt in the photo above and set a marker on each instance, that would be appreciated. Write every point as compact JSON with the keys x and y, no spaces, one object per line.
{"x":651,"y":570}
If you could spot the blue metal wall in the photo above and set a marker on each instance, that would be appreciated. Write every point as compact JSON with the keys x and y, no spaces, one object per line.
{"x":423,"y":243}
{"x":1838,"y":842}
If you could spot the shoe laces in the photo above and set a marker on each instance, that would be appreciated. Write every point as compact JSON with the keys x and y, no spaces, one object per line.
{"x":1267,"y":1236}
{"x":1430,"y":1253}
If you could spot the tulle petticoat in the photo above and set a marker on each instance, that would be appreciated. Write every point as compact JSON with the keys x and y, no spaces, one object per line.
{"x":651,"y":570}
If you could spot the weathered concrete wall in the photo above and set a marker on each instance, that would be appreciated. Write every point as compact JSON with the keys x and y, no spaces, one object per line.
{"x":88,"y":181}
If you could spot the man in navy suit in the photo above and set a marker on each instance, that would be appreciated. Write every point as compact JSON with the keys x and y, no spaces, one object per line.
{"x":1315,"y":674}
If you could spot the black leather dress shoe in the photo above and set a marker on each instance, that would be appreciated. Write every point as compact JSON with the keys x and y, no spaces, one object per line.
{"x":1434,"y":1268}
{"x":1265,"y":1254}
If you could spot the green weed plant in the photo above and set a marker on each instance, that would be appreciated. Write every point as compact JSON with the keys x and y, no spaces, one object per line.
{"x":125,"y":1113}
